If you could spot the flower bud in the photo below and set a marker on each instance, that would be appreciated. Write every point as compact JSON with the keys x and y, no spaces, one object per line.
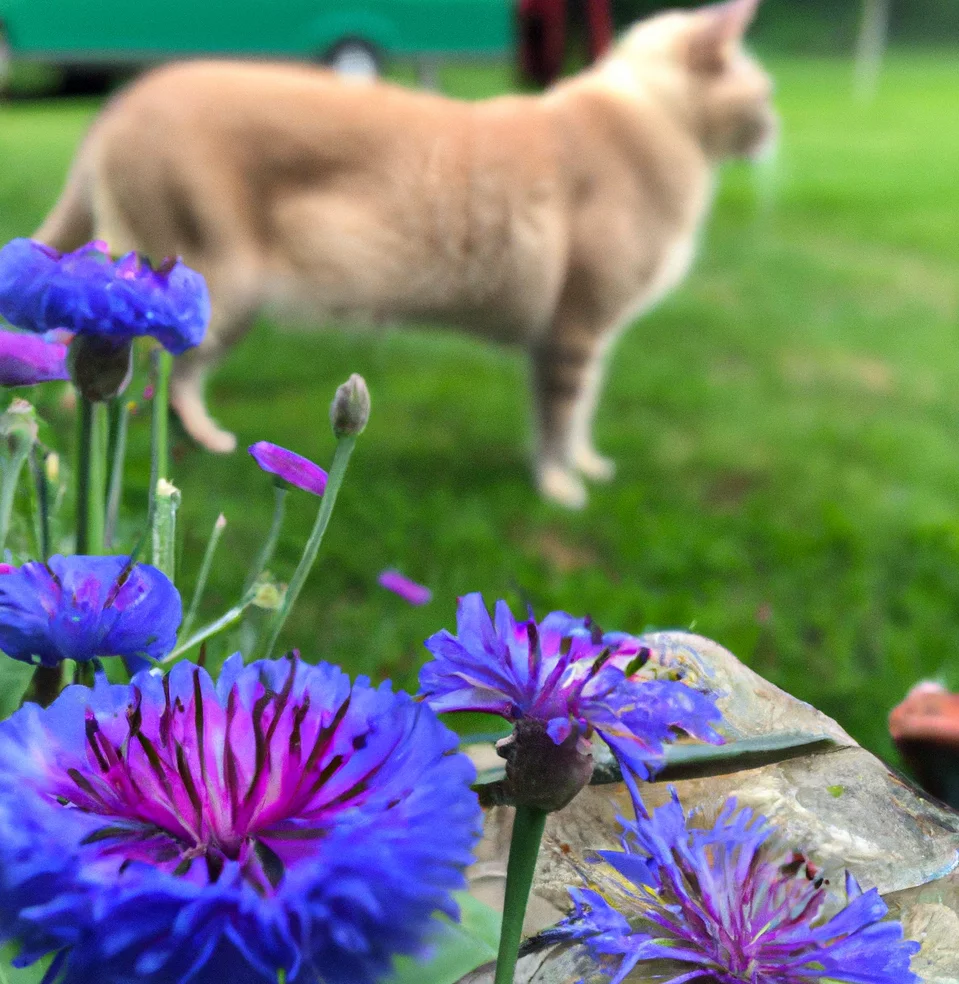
{"x":51,"y":465}
{"x":19,"y":425}
{"x":101,"y":368}
{"x":540,"y":773}
{"x":350,"y":409}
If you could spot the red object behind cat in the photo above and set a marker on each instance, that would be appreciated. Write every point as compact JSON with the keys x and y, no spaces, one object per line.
{"x":543,"y":35}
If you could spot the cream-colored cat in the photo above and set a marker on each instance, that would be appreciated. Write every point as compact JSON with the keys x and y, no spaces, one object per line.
{"x":548,"y":221}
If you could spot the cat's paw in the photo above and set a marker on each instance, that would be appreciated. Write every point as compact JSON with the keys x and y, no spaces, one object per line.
{"x":562,"y":486}
{"x":199,"y":424}
{"x":219,"y":441}
{"x":594,"y":466}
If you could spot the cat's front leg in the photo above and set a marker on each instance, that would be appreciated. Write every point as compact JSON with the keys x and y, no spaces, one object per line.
{"x":559,"y":371}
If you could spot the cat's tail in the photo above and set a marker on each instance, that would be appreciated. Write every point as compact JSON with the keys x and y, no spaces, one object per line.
{"x":70,"y":223}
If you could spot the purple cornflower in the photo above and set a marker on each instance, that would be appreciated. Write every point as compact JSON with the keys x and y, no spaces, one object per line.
{"x":734,"y":905}
{"x":415,"y":594}
{"x":563,"y":679}
{"x":280,"y":822}
{"x":26,"y":360}
{"x":289,"y":466}
{"x":82,"y":608}
{"x":86,"y":292}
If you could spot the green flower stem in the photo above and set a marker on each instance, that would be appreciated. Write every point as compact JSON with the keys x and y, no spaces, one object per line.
{"x":45,"y":685}
{"x":8,"y":487}
{"x":162,"y":365}
{"x":528,"y":825}
{"x":341,"y":458}
{"x":159,"y":457}
{"x":223,"y":622}
{"x":38,"y":465}
{"x":91,"y":476}
{"x":269,"y":546}
{"x":201,"y":578}
{"x":122,"y":419}
{"x":167,"y":497}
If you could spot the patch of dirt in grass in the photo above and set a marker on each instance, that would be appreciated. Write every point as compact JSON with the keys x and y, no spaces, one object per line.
{"x":562,"y":555}
{"x":726,"y":491}
{"x":845,"y":370}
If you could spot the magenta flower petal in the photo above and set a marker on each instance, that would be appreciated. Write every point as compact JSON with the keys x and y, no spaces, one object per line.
{"x":415,"y":594}
{"x":27,"y":359}
{"x":291,"y":467}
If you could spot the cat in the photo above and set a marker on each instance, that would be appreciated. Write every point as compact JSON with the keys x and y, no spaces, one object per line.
{"x":550,"y":221}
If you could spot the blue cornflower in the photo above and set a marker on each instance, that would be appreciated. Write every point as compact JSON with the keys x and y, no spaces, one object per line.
{"x":81,"y":608}
{"x":280,"y":821}
{"x":86,"y":292}
{"x":26,"y":360}
{"x":564,"y":678}
{"x":732,"y":904}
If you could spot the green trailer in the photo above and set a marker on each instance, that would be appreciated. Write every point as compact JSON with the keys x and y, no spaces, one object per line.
{"x":353,"y":35}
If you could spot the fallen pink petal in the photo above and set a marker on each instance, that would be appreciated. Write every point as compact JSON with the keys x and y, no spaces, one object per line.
{"x":289,"y":466}
{"x":26,"y":360}
{"x":415,"y":594}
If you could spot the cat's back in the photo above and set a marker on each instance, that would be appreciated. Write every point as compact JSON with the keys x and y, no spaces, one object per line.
{"x":257,"y":109}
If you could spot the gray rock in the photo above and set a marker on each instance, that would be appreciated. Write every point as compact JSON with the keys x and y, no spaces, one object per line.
{"x":838,"y":802}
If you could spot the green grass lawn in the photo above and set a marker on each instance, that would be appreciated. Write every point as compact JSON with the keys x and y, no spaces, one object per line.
{"x":786,"y":424}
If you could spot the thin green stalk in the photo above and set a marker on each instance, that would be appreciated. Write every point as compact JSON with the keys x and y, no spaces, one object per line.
{"x":528,"y":825}
{"x":38,"y":465}
{"x":158,"y":449}
{"x":164,"y":527}
{"x":83,"y":474}
{"x":91,"y":476}
{"x":8,"y":489}
{"x":98,"y":478}
{"x":269,"y":545}
{"x":162,"y":365}
{"x":223,"y":622}
{"x":122,"y":419}
{"x":341,"y":458}
{"x":201,"y":579}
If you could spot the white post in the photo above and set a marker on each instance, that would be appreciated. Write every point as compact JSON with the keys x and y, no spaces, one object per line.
{"x":871,"y":47}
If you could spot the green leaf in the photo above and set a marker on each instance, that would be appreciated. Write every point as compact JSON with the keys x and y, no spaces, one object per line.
{"x":26,"y":975}
{"x":688,"y":761}
{"x":456,"y":949}
{"x":14,"y":679}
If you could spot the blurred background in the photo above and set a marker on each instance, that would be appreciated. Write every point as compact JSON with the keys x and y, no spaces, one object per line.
{"x":786,"y":424}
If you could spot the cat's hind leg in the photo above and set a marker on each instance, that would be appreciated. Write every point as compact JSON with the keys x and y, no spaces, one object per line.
{"x":586,"y":459}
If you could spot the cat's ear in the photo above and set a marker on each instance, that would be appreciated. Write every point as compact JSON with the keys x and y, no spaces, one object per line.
{"x":718,"y":30}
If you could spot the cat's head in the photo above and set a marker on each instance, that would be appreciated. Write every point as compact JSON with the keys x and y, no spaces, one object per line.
{"x":696,"y":61}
